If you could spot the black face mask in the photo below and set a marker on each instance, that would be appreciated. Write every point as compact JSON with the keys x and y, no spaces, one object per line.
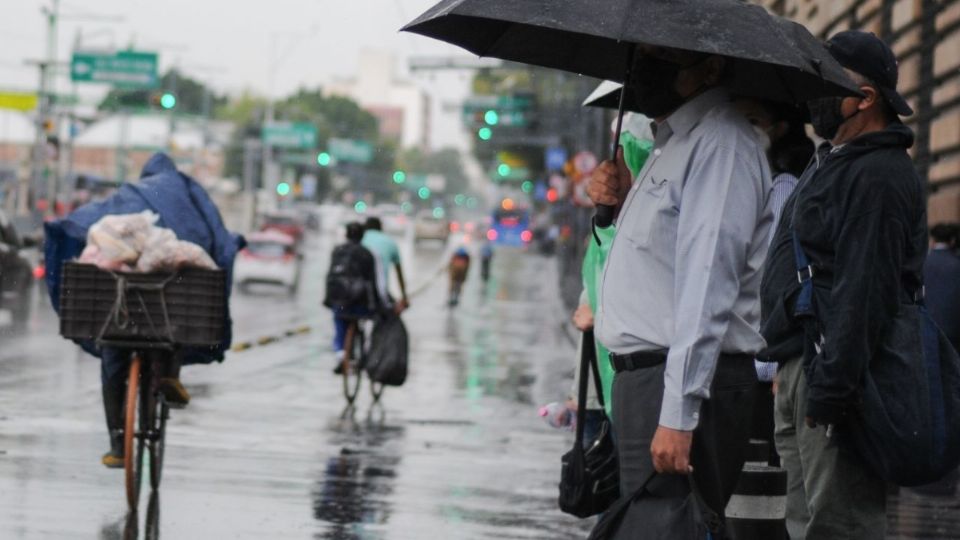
{"x":652,"y":82}
{"x":826,"y":115}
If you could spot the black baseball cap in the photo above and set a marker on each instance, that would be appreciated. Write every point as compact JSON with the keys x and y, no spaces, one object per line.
{"x":869,"y":56}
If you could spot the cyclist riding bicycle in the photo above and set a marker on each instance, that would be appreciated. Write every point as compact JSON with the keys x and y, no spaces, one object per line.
{"x":351,"y":291}
{"x":386,"y":254}
{"x":182,"y":206}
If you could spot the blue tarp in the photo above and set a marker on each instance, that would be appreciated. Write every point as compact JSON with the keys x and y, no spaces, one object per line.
{"x":183,"y":206}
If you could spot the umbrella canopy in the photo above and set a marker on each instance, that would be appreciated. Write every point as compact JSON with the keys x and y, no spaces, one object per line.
{"x":596,"y":40}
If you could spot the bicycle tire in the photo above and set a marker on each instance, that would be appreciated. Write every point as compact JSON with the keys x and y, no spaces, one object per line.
{"x":132,"y":470}
{"x":158,"y":444}
{"x":353,"y":371}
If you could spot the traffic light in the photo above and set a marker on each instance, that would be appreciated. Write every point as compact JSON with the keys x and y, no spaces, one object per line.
{"x":527,"y":186}
{"x":503,"y":169}
{"x":323,"y":159}
{"x":168,"y":100}
{"x":491,"y":117}
{"x":283,"y":189}
{"x":399,"y":177}
{"x":485,"y":133}
{"x":423,"y":193}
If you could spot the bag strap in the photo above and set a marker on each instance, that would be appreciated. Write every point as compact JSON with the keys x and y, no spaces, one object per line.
{"x":590,"y":339}
{"x":586,"y":349}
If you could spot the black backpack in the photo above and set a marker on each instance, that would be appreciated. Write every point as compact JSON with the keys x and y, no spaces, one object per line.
{"x":347,"y":284}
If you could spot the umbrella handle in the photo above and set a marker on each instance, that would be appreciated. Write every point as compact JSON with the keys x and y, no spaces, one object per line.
{"x":603,"y":217}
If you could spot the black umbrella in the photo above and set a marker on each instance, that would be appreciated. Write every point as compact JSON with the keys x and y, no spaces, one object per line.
{"x":599,"y":38}
{"x":607,"y":94}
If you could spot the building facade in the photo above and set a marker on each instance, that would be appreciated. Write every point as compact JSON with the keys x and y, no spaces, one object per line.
{"x":925,"y":35}
{"x":402,"y":108}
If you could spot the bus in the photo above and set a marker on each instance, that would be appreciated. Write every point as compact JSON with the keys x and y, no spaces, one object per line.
{"x":510,"y":226}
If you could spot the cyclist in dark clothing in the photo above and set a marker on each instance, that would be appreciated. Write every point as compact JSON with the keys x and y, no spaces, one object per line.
{"x":351,"y":286}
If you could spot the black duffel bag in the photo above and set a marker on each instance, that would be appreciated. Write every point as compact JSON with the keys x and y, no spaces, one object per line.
{"x":389,"y":351}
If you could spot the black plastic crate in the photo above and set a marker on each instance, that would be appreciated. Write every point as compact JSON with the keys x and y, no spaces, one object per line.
{"x":194,"y":300}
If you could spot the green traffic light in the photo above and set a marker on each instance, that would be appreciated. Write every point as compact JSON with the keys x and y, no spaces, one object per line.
{"x":491,"y":117}
{"x":399,"y":177}
{"x":323,"y":159}
{"x":283,"y":189}
{"x":423,"y":193}
{"x":527,"y":186}
{"x":360,"y":207}
{"x":168,"y":101}
{"x":485,"y":133}
{"x":503,"y":169}
{"x":460,"y":199}
{"x":438,"y":212}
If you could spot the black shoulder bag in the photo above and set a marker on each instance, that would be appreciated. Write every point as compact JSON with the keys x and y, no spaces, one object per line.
{"x":590,"y":477}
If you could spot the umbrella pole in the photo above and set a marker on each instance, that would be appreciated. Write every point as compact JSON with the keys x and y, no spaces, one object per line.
{"x":603,"y":218}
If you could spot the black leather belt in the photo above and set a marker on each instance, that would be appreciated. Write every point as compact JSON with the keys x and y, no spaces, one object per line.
{"x":637,"y":360}
{"x":644,"y":359}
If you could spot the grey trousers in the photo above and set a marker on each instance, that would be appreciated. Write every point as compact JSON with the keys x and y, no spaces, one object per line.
{"x":718,"y":449}
{"x":830,"y":494}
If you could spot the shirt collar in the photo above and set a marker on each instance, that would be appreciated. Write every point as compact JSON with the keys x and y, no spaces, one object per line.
{"x":684,"y":119}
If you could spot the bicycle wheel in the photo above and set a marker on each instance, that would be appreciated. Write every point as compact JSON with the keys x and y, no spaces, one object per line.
{"x":157,"y":445}
{"x":353,"y":353}
{"x":132,"y":456}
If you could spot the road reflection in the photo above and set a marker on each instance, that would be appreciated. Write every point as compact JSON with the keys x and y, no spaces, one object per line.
{"x":128,"y":528}
{"x":352,"y":495}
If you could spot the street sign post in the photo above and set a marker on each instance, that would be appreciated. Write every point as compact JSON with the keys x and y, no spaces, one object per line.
{"x":123,"y":69}
{"x":290,"y":135}
{"x":350,"y":150}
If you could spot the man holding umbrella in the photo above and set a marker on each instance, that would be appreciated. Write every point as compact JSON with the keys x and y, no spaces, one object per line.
{"x":679,"y":300}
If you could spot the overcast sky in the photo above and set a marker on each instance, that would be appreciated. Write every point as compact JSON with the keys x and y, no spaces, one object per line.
{"x":227,"y":43}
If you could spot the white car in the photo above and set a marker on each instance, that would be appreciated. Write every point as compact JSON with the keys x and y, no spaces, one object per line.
{"x":270,"y":257}
{"x":428,"y":227}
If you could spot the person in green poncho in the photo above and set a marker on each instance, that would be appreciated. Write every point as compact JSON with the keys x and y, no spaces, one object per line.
{"x":636,"y":141}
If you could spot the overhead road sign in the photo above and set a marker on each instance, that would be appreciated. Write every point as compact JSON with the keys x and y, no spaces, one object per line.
{"x":350,"y":150}
{"x":290,"y":135}
{"x":122,"y":69}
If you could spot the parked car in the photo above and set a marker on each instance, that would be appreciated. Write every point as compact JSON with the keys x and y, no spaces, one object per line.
{"x":284,"y":222}
{"x":16,"y":273}
{"x":428,"y":227}
{"x":270,"y":257}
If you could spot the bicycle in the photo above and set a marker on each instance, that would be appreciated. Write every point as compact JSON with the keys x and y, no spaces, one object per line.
{"x":355,"y":354}
{"x":145,"y":403}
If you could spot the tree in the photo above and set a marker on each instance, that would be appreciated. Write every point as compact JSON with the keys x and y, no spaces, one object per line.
{"x":193,"y":97}
{"x":445,"y":162}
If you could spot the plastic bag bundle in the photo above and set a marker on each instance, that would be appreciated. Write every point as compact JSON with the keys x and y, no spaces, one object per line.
{"x":133,"y":242}
{"x":164,"y":253}
{"x":115,"y":242}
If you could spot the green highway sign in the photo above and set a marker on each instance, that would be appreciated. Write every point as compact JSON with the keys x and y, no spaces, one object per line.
{"x":124,"y":69}
{"x":350,"y":150}
{"x":290,"y":135}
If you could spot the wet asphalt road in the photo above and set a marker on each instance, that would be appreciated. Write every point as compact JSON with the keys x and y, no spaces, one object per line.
{"x":264,"y":450}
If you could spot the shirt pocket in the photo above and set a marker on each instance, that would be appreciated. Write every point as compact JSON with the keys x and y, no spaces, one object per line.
{"x":650,"y":205}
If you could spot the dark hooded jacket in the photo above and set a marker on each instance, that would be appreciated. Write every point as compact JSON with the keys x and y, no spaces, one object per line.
{"x":859,"y":212}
